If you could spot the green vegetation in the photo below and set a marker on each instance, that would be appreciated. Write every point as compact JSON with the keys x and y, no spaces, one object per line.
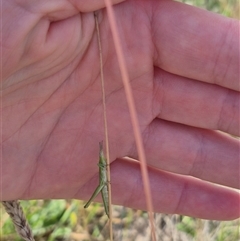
{"x":51,"y":219}
{"x":229,"y":8}
{"x":67,"y":220}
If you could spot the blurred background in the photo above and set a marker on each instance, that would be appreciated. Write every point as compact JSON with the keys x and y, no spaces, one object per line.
{"x":229,"y":8}
{"x":67,"y":220}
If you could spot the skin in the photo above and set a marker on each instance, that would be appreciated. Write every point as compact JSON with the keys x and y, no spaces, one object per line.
{"x":183,"y":66}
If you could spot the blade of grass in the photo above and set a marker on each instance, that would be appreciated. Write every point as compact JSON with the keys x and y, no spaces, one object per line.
{"x":105,"y":126}
{"x":133,"y":113}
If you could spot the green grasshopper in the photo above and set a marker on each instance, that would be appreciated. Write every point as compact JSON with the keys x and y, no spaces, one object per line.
{"x":102,"y":187}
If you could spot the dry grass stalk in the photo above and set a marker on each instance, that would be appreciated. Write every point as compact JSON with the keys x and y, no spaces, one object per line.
{"x":14,"y":209}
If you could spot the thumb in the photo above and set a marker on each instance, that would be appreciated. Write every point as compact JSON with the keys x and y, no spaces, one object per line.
{"x":35,"y":29}
{"x":92,"y":5}
{"x":57,"y":10}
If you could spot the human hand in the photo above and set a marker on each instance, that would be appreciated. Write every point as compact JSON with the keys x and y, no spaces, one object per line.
{"x":183,"y":66}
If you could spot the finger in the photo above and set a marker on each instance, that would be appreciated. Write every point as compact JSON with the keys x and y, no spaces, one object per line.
{"x":42,"y":25}
{"x":171,"y":193}
{"x":93,"y":5}
{"x":51,"y":36}
{"x":196,"y":103}
{"x":39,"y":36}
{"x":208,"y":155}
{"x":196,"y":44}
{"x":57,"y":10}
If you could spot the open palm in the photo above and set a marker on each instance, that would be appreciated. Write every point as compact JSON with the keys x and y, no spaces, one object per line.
{"x":184,"y":74}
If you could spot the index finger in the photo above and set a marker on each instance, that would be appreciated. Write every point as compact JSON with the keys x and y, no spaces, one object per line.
{"x":196,"y":44}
